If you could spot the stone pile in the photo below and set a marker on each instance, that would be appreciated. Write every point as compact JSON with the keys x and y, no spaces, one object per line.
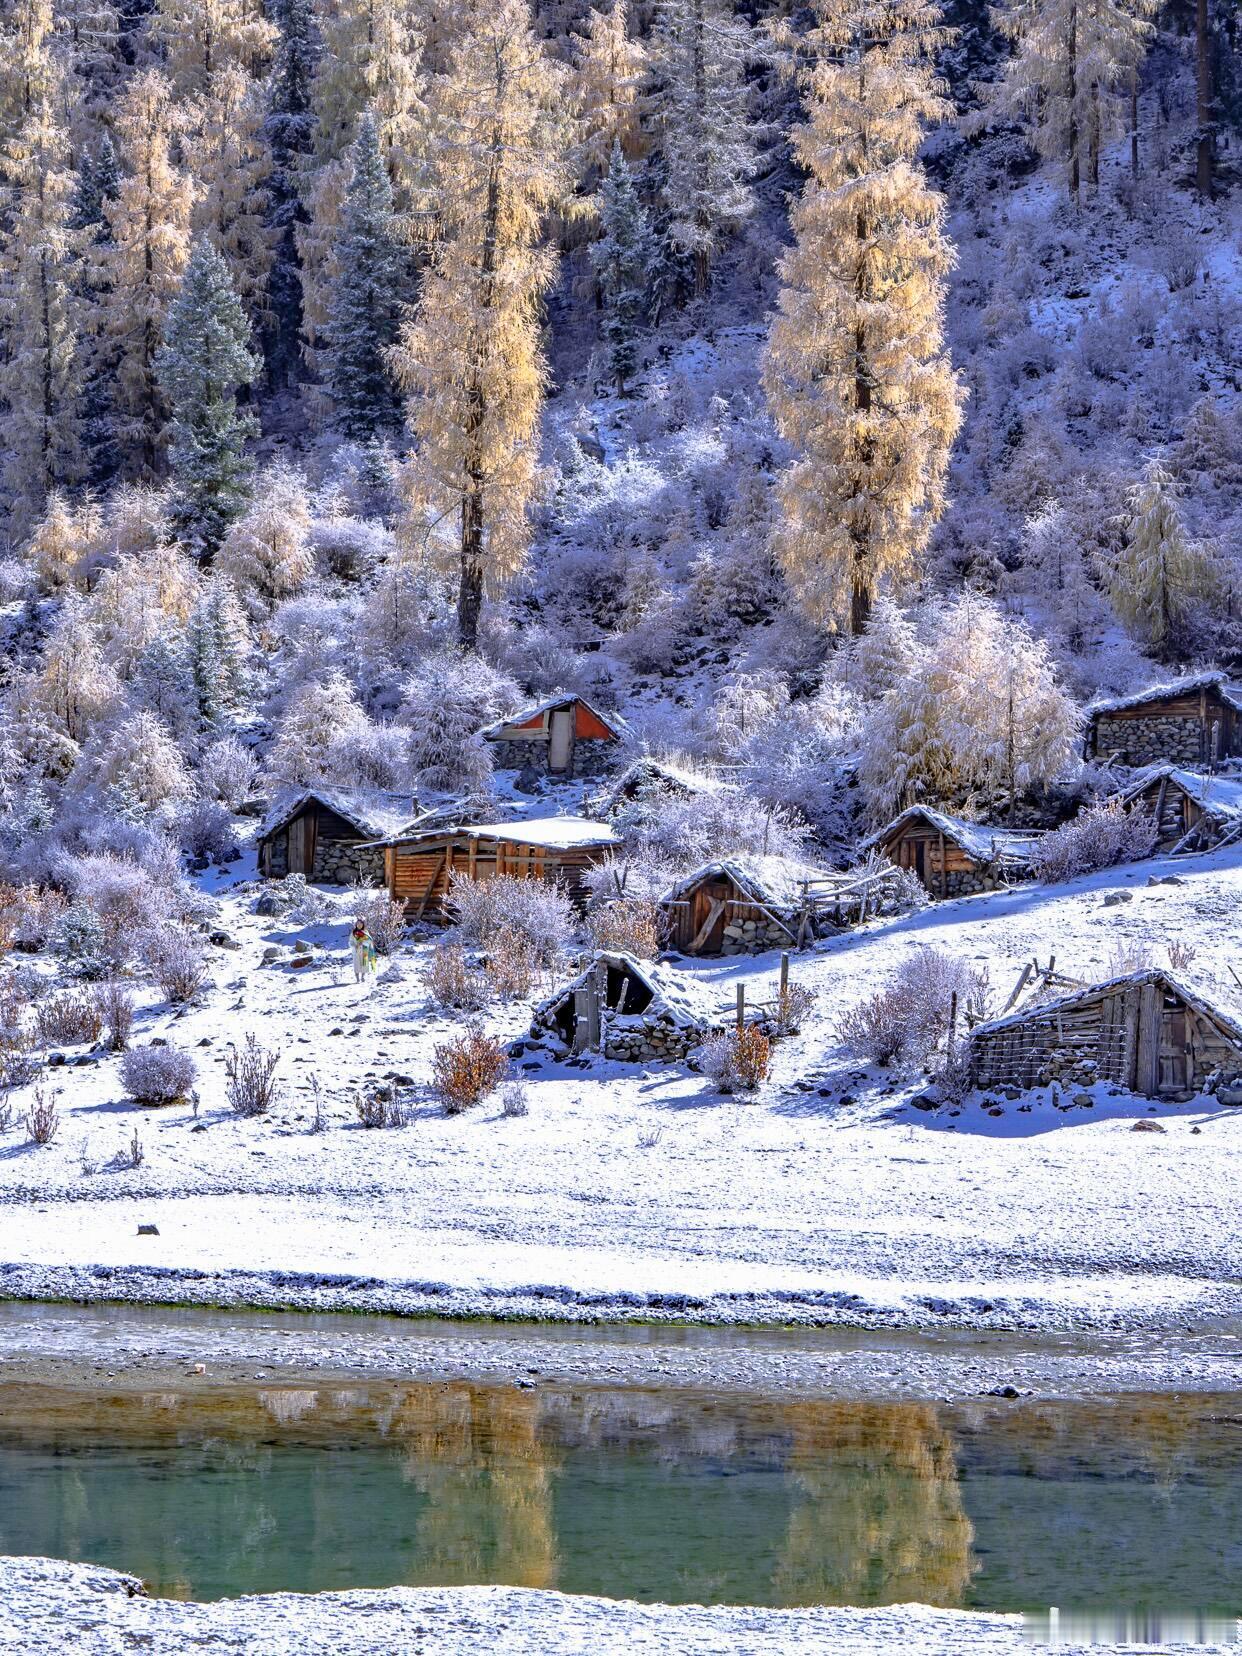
{"x":643,"y":1040}
{"x":753,"y":936}
{"x":344,"y":862}
{"x":1151,"y":741}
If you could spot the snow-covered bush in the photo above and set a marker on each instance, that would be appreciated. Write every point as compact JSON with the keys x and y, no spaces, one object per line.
{"x":447,"y":701}
{"x":157,"y":1075}
{"x":630,"y":925}
{"x":319,"y":717}
{"x":267,"y":554}
{"x":371,"y":756}
{"x":512,"y":964}
{"x":227,"y":772}
{"x":1100,"y":837}
{"x":347,"y":548}
{"x":28,"y":915}
{"x":127,"y":901}
{"x":295,"y":900}
{"x":905,"y":1021}
{"x":737,"y":1061}
{"x":250,"y":1071}
{"x":534,"y":909}
{"x":70,"y":1019}
{"x":177,"y":961}
{"x":465,"y":1070}
{"x":451,"y":981}
{"x":116,"y":1008}
{"x":685,"y":831}
{"x":515,"y":1099}
{"x":81,"y":939}
{"x":207,"y":832}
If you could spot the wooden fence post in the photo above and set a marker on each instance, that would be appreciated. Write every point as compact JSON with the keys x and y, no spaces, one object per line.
{"x":741,"y":1007}
{"x":582,"y":1018}
{"x":952,"y":1024}
{"x":593,"y":1012}
{"x":784,"y":976}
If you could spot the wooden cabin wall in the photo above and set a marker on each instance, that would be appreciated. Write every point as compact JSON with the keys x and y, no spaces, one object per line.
{"x":420,"y":876}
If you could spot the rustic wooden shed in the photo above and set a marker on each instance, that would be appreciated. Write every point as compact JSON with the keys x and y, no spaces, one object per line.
{"x":419,"y":866}
{"x":563,"y":735}
{"x":1193,"y":721}
{"x":1193,"y":812}
{"x":742,"y":904}
{"x":629,"y":1009}
{"x":329,"y":834}
{"x":1145,"y":1031}
{"x":951,"y":857}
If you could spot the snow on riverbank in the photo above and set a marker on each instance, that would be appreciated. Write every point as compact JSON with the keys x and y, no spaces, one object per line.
{"x":629,"y":1191}
{"x":46,"y":1606}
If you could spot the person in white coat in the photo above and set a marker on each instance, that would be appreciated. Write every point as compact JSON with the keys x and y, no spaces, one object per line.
{"x":364,"y":950}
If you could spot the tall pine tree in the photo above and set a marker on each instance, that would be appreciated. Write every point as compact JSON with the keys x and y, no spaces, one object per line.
{"x":290,"y":133}
{"x":365,"y":307}
{"x":620,"y":259}
{"x":471,"y":362}
{"x":1160,"y":574}
{"x":856,"y":371}
{"x":205,"y":358}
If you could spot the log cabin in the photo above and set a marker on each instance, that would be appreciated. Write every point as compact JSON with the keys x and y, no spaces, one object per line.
{"x":1193,"y":722}
{"x":1145,"y":1032}
{"x":951,"y":857}
{"x":741,"y":905}
{"x":329,"y":835}
{"x":564,"y":736}
{"x":1193,"y":812}
{"x":419,"y":866}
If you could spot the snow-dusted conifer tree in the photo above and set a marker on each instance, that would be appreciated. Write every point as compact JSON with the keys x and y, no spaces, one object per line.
{"x":205,"y":358}
{"x":319,"y":716}
{"x":620,"y":259}
{"x":163,"y":684}
{"x":698,"y":60}
{"x":143,"y":261}
{"x":1160,"y":574}
{"x":290,"y":133}
{"x":607,"y":80}
{"x":365,"y":305}
{"x":228,"y":158}
{"x":1071,"y":73}
{"x":218,"y":642}
{"x":856,"y":371}
{"x":44,"y":322}
{"x":471,"y":362}
{"x":883,"y":654}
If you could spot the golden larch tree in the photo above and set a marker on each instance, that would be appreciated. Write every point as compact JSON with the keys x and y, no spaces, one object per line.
{"x":150,"y":225}
{"x":471,"y":363}
{"x":856,"y":370}
{"x":230,"y":163}
{"x":198,"y":38}
{"x":607,"y":80}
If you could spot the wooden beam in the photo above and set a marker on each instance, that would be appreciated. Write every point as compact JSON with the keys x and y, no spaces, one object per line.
{"x":1147,"y":1059}
{"x":431,"y":885}
{"x":713,"y":914}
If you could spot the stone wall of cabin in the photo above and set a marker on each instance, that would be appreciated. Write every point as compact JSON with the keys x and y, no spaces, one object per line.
{"x":754,"y":936}
{"x":278,"y":854}
{"x":1148,"y":741}
{"x":347,"y":863}
{"x":589,"y":757}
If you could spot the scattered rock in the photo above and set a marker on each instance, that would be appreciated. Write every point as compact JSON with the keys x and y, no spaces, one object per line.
{"x":1196,"y":1129}
{"x":921,"y":1101}
{"x":1004,"y":1391}
{"x":148,"y":1230}
{"x":1229,"y":1095}
{"x":223,"y":940}
{"x":1112,"y":898}
{"x":55,"y":1060}
{"x":1165,"y":879}
{"x":271,"y":953}
{"x":299,"y":961}
{"x":206,"y":1041}
{"x":1084,"y":1100}
{"x":267,"y":904}
{"x":302,"y":947}
{"x":1147,"y":1127}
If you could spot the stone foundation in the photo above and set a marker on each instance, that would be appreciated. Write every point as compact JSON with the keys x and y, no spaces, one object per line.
{"x":966,"y":882}
{"x":754,"y":937}
{"x":343,"y":862}
{"x":588,"y":758}
{"x":649,"y":1040}
{"x":1151,"y":741}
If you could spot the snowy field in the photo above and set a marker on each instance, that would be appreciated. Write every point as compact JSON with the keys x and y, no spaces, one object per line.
{"x":642,"y":1192}
{"x":48,"y":1605}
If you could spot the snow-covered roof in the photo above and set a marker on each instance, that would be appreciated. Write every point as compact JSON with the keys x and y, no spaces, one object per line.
{"x":556,"y":832}
{"x":977,"y":839}
{"x":686,"y":1003}
{"x":649,"y":775}
{"x":775,"y":882}
{"x":1217,"y":796}
{"x":1189,"y":686}
{"x":376,"y":815}
{"x":1107,"y":986}
{"x":549,"y":704}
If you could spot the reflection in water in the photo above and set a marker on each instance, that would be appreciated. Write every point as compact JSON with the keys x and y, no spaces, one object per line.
{"x":630,"y":1493}
{"x":880,"y":1517}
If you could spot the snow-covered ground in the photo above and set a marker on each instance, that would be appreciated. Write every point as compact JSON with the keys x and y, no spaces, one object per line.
{"x":641,"y":1192}
{"x":47,"y":1605}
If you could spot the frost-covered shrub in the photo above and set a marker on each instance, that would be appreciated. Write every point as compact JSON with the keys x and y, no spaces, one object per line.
{"x":124,"y":896}
{"x":322,"y":714}
{"x":299,"y":902}
{"x":28,"y":915}
{"x":447,"y":701}
{"x":177,"y":961}
{"x":207,"y":832}
{"x":465,"y":1070}
{"x":737,"y":1061}
{"x":346,"y":548}
{"x":686,"y":831}
{"x":534,"y":909}
{"x":1100,"y":837}
{"x":905,"y":1021}
{"x":139,"y":762}
{"x":70,"y":1019}
{"x":227,"y":772}
{"x":514,"y":1099}
{"x":630,"y":925}
{"x":116,"y":1008}
{"x":452,"y":982}
{"x":157,"y":1075}
{"x":252,"y":1087}
{"x":80,"y":937}
{"x":512,"y":964}
{"x":371,"y":756}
